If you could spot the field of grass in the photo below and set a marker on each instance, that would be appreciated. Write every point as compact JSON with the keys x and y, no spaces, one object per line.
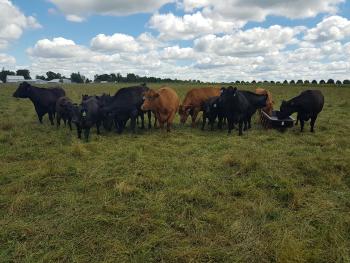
{"x":186,"y":196}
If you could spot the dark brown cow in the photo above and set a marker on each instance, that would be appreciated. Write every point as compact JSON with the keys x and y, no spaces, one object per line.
{"x":193,"y":101}
{"x":164,"y":103}
{"x":269,"y":102}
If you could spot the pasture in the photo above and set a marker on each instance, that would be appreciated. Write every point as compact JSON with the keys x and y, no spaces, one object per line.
{"x":186,"y":196}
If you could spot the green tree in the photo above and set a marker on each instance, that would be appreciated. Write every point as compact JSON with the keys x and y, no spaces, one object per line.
{"x":40,"y":77}
{"x":330,"y":81}
{"x":77,"y":78}
{"x":314,"y":82}
{"x":23,"y":72}
{"x":52,"y":75}
{"x":4,"y":73}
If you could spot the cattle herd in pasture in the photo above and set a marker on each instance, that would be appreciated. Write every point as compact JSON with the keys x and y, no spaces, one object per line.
{"x":226,"y":105}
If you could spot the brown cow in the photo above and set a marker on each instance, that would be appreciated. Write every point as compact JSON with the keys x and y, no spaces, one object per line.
{"x":269,"y":102}
{"x":191,"y":105}
{"x":164,"y":103}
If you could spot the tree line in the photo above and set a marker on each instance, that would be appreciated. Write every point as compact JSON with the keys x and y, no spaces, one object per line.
{"x":133,"y":78}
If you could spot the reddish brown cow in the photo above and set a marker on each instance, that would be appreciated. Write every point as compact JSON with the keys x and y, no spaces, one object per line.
{"x":164,"y":103}
{"x":269,"y":102}
{"x":191,"y":105}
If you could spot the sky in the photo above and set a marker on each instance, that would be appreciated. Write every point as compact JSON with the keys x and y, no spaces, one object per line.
{"x":208,"y":40}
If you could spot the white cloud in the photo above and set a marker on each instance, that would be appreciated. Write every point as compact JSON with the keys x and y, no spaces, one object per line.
{"x":6,"y":60}
{"x":177,"y":53}
{"x":13,"y":22}
{"x":75,"y":18}
{"x":190,"y":26}
{"x":331,"y":28}
{"x":83,"y":8}
{"x":251,"y":42}
{"x":117,"y":43}
{"x":258,"y":10}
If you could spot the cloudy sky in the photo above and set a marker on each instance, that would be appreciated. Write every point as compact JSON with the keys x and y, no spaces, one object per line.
{"x":210,"y":40}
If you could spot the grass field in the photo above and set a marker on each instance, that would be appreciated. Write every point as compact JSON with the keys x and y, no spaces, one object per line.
{"x":187,"y":196}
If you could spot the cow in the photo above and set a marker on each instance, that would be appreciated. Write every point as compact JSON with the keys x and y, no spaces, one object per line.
{"x":193,"y":101}
{"x":86,"y":115}
{"x":256,"y":102}
{"x":64,"y":110}
{"x":44,"y":100}
{"x":308,"y":104}
{"x":125,"y":105}
{"x":164,"y":103}
{"x":239,"y":106}
{"x":212,"y":109}
{"x":269,"y":102}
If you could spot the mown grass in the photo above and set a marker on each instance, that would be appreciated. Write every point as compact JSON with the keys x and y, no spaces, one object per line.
{"x":187,"y":196}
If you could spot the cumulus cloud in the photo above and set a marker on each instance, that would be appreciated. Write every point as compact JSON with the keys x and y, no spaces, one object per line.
{"x":75,"y":18}
{"x":81,"y":8}
{"x":7,"y":60}
{"x":13,"y":22}
{"x":254,"y":41}
{"x":331,"y":28}
{"x":176,"y":53}
{"x":258,"y":10}
{"x":190,"y":26}
{"x":116,"y":42}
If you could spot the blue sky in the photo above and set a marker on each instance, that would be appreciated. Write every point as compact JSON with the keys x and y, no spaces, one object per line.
{"x":208,"y":40}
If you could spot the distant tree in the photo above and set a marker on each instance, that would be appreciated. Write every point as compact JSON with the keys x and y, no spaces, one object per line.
{"x":272,"y":82}
{"x":40,"y":77}
{"x":314,"y":82}
{"x":87,"y":81}
{"x":119,"y":77}
{"x":77,"y":78}
{"x":254,"y":82}
{"x":4,"y":73}
{"x":346,"y":82}
{"x":52,"y":75}
{"x":300,"y":81}
{"x":322,"y":81}
{"x":330,"y":81}
{"x":292,"y":82}
{"x":131,"y":77}
{"x":113,"y":77}
{"x":278,"y":82}
{"x":285,"y":82}
{"x":23,"y":72}
{"x":338,"y":82}
{"x":306,"y":82}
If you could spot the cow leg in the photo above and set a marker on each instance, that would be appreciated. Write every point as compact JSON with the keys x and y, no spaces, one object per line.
{"x":301,"y":125}
{"x":249,"y":122}
{"x":170,"y":121}
{"x":142,"y":115}
{"x":40,"y":115}
{"x":230,"y":126}
{"x":312,"y":123}
{"x":98,"y":124}
{"x":58,"y":120}
{"x":51,"y":118}
{"x":149,"y":115}
{"x":240,"y":125}
{"x":70,"y":123}
{"x":220,"y":122}
{"x":155,"y":122}
{"x":86,"y":134}
{"x":212,"y":124}
{"x":194,"y":116}
{"x":204,"y":121}
{"x":298,"y":118}
{"x":79,"y":131}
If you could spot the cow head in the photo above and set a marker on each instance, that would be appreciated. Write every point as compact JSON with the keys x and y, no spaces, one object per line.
{"x":184,"y":112}
{"x":149,"y":100}
{"x":286,"y":109}
{"x":23,"y":90}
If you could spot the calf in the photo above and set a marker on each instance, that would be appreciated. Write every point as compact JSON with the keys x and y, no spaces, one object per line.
{"x":64,"y":110}
{"x":86,"y":115}
{"x":256,"y":101}
{"x":193,"y":101}
{"x":212,"y":109}
{"x":308,"y":105}
{"x":164,"y":103}
{"x":44,"y":100}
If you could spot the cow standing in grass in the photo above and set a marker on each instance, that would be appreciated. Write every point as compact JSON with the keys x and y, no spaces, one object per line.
{"x":192,"y":104}
{"x":44,"y":100}
{"x":64,"y":110}
{"x":308,"y":105}
{"x":164,"y":103}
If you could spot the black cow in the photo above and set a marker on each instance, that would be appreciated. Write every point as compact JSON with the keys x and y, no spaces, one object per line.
{"x":64,"y":110}
{"x":308,"y":105}
{"x":125,"y":105}
{"x":44,"y":100}
{"x":212,"y":108}
{"x":86,"y":115}
{"x":257,"y":101}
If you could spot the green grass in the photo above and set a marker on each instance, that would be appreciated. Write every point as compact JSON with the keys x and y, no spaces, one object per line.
{"x":187,"y":196}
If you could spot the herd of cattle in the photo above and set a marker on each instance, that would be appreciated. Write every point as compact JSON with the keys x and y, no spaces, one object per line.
{"x":131,"y":103}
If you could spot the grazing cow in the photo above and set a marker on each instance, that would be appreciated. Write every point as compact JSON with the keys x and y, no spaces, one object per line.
{"x":103,"y":101}
{"x":86,"y":115}
{"x":308,"y":105}
{"x":164,"y":103}
{"x":125,"y":105}
{"x":193,"y":101}
{"x":256,"y":101}
{"x":44,"y":100}
{"x":269,"y":102}
{"x":64,"y":110}
{"x":212,"y":109}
